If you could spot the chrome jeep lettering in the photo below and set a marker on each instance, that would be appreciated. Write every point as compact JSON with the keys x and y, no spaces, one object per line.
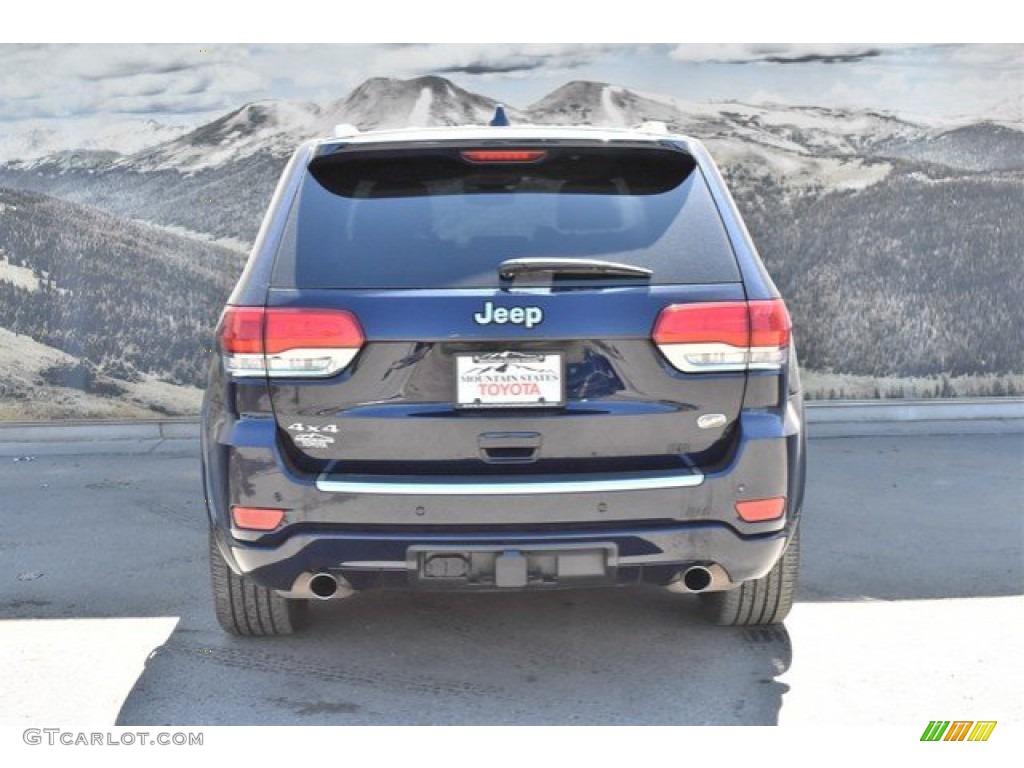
{"x":524,"y":316}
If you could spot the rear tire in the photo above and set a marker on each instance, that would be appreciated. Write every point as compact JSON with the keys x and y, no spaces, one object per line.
{"x":246,"y":608}
{"x":760,"y":601}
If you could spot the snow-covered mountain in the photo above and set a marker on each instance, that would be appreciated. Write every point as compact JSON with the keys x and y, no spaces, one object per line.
{"x":778,"y":136}
{"x":218,"y":177}
{"x":801,"y":130}
{"x":262,"y":126}
{"x":589,"y":103}
{"x":976,"y":147}
{"x":387,"y":103}
{"x":277,"y":127}
{"x":797,"y":146}
{"x":1008,"y":112}
{"x":37,"y":139}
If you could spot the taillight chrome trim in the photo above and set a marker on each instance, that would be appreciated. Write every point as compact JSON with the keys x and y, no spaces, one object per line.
{"x":707,"y":357}
{"x":331,"y":361}
{"x":767,"y":358}
{"x":286,"y":365}
{"x":249,"y":364}
{"x":718,"y":358}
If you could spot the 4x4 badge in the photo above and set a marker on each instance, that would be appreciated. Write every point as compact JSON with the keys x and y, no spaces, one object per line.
{"x":524,"y":316}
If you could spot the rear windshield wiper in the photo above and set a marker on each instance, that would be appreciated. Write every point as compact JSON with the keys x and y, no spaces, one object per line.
{"x":511,"y":268}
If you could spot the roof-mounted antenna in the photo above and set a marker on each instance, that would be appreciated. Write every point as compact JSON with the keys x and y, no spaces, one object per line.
{"x":500,"y":118}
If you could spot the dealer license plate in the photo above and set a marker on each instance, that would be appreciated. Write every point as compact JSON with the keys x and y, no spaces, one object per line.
{"x":509,"y":380}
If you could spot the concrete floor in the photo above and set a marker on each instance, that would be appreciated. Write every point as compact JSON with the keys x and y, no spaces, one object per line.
{"x":910,"y":609}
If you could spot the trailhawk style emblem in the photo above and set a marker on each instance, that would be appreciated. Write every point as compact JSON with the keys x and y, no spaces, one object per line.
{"x":524,"y":316}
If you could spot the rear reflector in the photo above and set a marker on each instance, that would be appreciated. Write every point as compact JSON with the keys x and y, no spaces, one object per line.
{"x":257,"y":518}
{"x":724,"y":336}
{"x":504,"y":155}
{"x":288,"y":342}
{"x":759,"y":510}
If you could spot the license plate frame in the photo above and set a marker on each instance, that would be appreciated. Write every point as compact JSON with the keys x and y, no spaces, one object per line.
{"x":540,"y":377}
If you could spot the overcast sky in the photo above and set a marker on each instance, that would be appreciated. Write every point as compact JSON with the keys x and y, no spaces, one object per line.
{"x":190,"y":83}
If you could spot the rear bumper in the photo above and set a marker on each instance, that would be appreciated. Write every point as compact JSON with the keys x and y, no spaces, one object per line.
{"x":378,"y":559}
{"x":374,"y":534}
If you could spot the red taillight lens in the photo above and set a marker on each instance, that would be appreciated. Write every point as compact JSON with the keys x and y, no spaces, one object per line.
{"x":759,"y":510}
{"x":504,"y":155}
{"x":724,"y":336}
{"x":725,"y":322}
{"x":288,"y":342}
{"x":769,"y":323}
{"x":257,"y":518}
{"x":311,"y":329}
{"x":241,"y":330}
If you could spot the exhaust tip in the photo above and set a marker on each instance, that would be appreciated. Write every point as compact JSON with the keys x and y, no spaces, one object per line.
{"x":697,"y":578}
{"x":323,"y":585}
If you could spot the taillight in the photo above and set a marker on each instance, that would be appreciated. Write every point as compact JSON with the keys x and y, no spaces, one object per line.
{"x":241,"y":330}
{"x":770,"y":327}
{"x":504,"y":155}
{"x":724,"y":336}
{"x":288,"y":342}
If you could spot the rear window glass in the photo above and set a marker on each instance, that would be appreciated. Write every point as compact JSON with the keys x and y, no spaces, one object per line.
{"x":436,"y":220}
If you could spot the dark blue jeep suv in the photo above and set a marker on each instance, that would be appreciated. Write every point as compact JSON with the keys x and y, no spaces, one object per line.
{"x":499,"y":358}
